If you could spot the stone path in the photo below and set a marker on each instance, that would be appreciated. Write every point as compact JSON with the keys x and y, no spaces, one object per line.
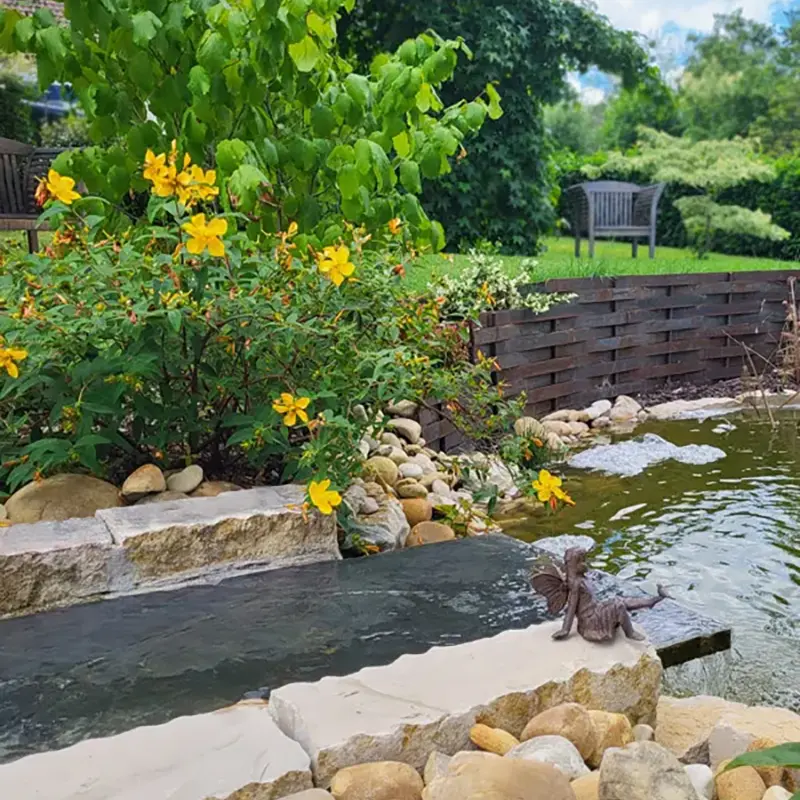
{"x":145,"y":659}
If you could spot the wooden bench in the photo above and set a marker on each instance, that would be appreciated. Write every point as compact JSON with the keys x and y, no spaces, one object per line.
{"x":611,"y":209}
{"x":21,"y":166}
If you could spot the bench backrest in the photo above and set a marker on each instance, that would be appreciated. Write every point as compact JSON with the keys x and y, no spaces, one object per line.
{"x":21,"y":166}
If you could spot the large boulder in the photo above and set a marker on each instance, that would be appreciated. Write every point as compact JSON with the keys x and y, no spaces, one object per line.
{"x":61,"y":497}
{"x":382,"y":780}
{"x":643,"y":771}
{"x":493,"y":777}
{"x":570,"y":720}
{"x":684,"y":725}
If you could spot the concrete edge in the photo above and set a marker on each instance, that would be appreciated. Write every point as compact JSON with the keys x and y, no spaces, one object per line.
{"x":48,"y":565}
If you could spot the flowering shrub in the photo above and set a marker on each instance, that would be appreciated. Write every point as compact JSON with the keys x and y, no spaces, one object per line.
{"x":486,"y":285}
{"x":180,"y":340}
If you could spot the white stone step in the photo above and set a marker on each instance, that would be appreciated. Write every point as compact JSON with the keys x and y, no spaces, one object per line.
{"x":235,"y":752}
{"x":421,"y":703}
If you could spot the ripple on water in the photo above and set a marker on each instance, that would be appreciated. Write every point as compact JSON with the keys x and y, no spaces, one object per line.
{"x":724,"y":537}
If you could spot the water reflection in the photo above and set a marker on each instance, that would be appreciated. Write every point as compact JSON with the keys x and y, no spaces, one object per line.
{"x":724,"y":537}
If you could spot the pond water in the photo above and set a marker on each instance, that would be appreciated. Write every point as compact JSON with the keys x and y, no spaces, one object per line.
{"x":724,"y":537}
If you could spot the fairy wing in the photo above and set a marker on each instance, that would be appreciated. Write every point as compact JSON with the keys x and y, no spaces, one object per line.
{"x":551,"y":585}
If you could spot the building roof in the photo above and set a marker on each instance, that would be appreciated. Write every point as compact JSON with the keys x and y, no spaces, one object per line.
{"x":29,"y":6}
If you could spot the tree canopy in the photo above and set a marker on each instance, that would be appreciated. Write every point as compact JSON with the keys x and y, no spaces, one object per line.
{"x":501,"y":189}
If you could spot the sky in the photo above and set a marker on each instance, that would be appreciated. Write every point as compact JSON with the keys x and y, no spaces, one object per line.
{"x":669,"y":22}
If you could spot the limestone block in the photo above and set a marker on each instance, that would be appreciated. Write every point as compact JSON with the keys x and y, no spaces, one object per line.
{"x":233,"y":754}
{"x":53,"y":563}
{"x":260,"y":526}
{"x":420,"y":703}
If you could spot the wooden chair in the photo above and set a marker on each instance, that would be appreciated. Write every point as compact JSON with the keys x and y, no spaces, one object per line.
{"x":21,"y":166}
{"x":611,"y":209}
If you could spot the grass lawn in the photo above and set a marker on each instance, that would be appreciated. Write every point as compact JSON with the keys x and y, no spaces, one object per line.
{"x":611,"y":259}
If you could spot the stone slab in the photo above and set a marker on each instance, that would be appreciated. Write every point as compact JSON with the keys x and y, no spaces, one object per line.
{"x":258,"y":526}
{"x":144,"y":659}
{"x":236,"y":753}
{"x":53,"y":563}
{"x":426,"y":702}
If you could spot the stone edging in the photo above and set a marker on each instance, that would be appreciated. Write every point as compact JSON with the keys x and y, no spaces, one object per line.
{"x":137,"y":548}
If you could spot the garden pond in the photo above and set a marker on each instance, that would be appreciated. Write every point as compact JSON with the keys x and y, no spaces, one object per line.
{"x":724,"y":537}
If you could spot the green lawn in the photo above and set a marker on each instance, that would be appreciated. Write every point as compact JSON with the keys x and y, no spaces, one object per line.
{"x":611,"y":259}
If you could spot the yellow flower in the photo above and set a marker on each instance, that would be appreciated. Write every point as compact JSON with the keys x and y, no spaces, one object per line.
{"x":171,"y":182}
{"x":395,"y":225}
{"x":548,"y":489}
{"x":291,"y":408}
{"x":154,"y":166}
{"x":8,"y":358}
{"x":335,"y":263}
{"x":206,"y":235}
{"x":202,"y":186}
{"x":58,"y":187}
{"x":323,"y":498}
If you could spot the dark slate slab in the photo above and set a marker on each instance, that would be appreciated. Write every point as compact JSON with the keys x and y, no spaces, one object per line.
{"x":101,"y":669}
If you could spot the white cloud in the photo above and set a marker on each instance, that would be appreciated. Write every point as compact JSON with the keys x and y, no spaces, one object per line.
{"x":650,"y":16}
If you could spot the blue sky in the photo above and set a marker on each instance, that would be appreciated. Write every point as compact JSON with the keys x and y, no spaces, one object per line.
{"x":669,"y":22}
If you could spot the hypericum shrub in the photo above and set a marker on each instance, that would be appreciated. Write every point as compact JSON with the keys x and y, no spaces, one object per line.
{"x":182,"y":341}
{"x":258,"y":91}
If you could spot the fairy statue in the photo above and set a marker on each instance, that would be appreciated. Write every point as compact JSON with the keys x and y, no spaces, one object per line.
{"x":597,"y":621}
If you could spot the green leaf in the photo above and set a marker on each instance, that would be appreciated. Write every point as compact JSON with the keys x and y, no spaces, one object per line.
{"x":231,"y":153}
{"x":213,"y":52}
{"x":305,"y":54}
{"x":357,"y":86}
{"x":402,"y":144}
{"x":24,"y":31}
{"x":245,"y":184}
{"x":340,"y":155}
{"x":363,"y":151}
{"x":475,"y":115}
{"x":348,"y":180}
{"x":409,"y":177}
{"x":175,"y":318}
{"x":784,"y":755}
{"x":145,"y":27}
{"x":323,"y":121}
{"x":199,"y":81}
{"x":494,"y":109}
{"x":53,"y":43}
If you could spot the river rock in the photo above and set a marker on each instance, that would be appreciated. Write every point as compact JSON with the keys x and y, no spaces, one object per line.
{"x":162,"y":497}
{"x":3,"y":513}
{"x":409,"y":429}
{"x":644,"y":771}
{"x":625,"y":409}
{"x":554,"y":750}
{"x":598,"y":409}
{"x":435,"y":767}
{"x":777,"y":793}
{"x":440,"y":501}
{"x":215,"y":488}
{"x":427,"y":480}
{"x":393,"y":439}
{"x":613,"y":730}
{"x":375,"y":490}
{"x":440,"y":488}
{"x":429,"y":533}
{"x":382,"y":468}
{"x":643,"y":733}
{"x":493,"y":777}
{"x":570,"y":720}
{"x":578,"y":428}
{"x":381,"y":780}
{"x":772,"y":776}
{"x":408,"y":488}
{"x":743,"y":783}
{"x":634,"y":456}
{"x":601,"y":423}
{"x":702,"y":779}
{"x":386,"y":450}
{"x":411,"y":470}
{"x":386,"y":529}
{"x":417,"y":509}
{"x":402,"y":408}
{"x":148,"y":479}
{"x":558,"y":428}
{"x":490,"y":472}
{"x":677,"y":409}
{"x":563,"y":415}
{"x":423,"y":460}
{"x":587,"y":787}
{"x":311,"y":794}
{"x":398,"y":455}
{"x":61,"y":497}
{"x":370,"y":506}
{"x":187,"y":480}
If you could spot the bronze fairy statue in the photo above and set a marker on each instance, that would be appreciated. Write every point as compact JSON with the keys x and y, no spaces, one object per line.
{"x":597,"y":621}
